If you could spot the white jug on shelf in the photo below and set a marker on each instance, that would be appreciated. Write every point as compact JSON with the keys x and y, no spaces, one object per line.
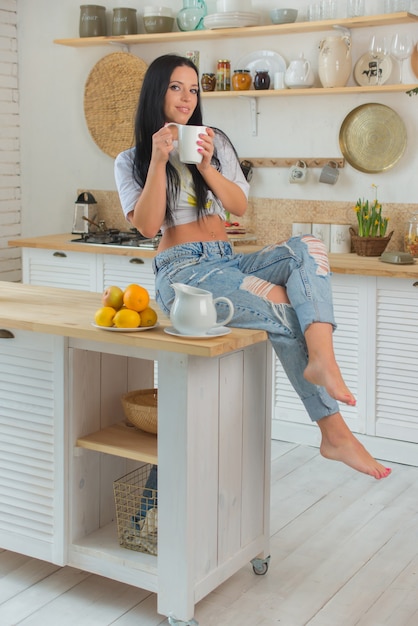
{"x":299,"y":74}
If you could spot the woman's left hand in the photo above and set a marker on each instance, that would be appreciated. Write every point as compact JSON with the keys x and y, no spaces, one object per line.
{"x":206,"y":149}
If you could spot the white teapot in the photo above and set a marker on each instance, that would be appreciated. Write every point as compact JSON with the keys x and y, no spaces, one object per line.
{"x":193,"y":311}
{"x":299,"y":74}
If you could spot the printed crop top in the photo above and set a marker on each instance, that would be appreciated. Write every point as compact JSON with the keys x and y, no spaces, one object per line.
{"x":185,"y":210}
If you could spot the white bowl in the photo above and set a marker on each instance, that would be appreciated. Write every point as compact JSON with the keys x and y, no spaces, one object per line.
{"x":283,"y":16}
{"x":160,"y":11}
{"x":158,"y":19}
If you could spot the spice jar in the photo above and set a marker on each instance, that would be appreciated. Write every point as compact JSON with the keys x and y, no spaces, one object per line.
{"x":411,"y":235}
{"x":241,"y":80}
{"x":223,"y":75}
{"x":261,"y":79}
{"x":208,"y":81}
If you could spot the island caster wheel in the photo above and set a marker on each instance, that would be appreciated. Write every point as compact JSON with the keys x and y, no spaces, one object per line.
{"x":260,"y":566}
{"x":177,"y":622}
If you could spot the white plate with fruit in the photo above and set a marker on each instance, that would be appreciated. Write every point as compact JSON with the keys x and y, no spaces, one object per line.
{"x":125,"y":310}
{"x":115,"y":329}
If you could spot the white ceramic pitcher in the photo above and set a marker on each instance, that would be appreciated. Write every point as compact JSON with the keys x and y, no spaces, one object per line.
{"x":299,"y":74}
{"x":193,"y":311}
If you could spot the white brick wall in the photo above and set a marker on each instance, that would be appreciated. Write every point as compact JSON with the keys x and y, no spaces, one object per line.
{"x":10,"y":261}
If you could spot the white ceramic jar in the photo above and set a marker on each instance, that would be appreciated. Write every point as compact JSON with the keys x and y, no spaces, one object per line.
{"x":335,"y":63}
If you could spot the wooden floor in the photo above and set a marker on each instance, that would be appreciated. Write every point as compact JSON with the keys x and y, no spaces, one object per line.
{"x":344,"y":552}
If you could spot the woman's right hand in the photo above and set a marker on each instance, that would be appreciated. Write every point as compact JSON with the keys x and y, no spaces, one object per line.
{"x":162,"y":144}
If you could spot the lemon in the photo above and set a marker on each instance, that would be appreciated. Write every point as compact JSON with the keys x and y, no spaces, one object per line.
{"x":104,"y":316}
{"x":126,"y":318}
{"x":148,"y":317}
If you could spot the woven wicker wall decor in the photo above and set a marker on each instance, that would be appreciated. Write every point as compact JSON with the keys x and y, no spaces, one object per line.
{"x":110,"y":100}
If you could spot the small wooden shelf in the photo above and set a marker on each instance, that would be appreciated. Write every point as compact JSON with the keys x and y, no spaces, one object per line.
{"x":312,"y":91}
{"x":122,"y":440}
{"x":250,"y":31}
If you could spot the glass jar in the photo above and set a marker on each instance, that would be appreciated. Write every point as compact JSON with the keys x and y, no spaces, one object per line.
{"x":208,"y":81}
{"x":190,"y":17}
{"x":223,"y":75}
{"x":261,"y":79}
{"x":411,"y":235}
{"x":241,"y":80}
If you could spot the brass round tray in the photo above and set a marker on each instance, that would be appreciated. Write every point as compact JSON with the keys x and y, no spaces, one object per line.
{"x":372,"y":138}
{"x":110,"y":100}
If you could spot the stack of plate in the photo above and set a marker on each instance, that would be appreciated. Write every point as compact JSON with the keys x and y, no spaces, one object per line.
{"x":233,"y":19}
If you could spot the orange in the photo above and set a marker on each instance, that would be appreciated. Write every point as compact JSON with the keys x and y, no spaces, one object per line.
{"x":126,"y":318}
{"x":148,"y":317}
{"x":136,"y":297}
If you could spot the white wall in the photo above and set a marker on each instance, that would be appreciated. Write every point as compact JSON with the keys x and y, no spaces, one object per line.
{"x":59,"y":156}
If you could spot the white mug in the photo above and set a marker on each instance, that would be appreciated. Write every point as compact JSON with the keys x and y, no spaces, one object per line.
{"x":298,"y":172}
{"x":322,"y":232}
{"x":188,"y":136}
{"x":301,"y":228}
{"x":340,"y":238}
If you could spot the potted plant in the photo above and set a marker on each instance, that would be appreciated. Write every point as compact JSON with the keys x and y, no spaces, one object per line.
{"x":371,"y":238}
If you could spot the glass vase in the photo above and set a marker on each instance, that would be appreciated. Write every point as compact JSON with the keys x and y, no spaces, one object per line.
{"x":191,"y":16}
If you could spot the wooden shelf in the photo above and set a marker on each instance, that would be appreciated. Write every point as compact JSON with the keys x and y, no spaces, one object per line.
{"x":122,"y":440}
{"x":312,"y":91}
{"x":365,"y":21}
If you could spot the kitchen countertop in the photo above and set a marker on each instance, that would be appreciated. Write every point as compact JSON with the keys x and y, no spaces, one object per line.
{"x":70,"y":313}
{"x":340,"y":263}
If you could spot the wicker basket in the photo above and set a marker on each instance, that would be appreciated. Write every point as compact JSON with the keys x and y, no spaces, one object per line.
{"x":141,"y":409}
{"x":369,"y":246}
{"x":136,"y":509}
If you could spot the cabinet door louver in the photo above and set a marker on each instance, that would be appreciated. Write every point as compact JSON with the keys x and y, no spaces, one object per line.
{"x":396,"y":363}
{"x":29,"y":428}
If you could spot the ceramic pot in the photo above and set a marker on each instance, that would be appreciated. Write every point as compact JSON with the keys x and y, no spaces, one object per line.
{"x":335,"y":64}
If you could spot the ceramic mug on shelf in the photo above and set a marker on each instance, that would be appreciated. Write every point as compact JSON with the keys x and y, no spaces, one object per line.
{"x":329,"y":173}
{"x":298,"y":172}
{"x":188,"y":136}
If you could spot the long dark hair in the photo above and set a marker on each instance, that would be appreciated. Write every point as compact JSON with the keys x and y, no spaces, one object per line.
{"x":150,"y":118}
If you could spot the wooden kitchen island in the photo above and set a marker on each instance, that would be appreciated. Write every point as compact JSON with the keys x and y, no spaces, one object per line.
{"x":60,"y":450}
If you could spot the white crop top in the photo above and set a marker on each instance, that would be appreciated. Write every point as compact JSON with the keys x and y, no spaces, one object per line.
{"x":185,"y":210}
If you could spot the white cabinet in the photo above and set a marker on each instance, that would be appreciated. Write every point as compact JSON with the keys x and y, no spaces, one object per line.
{"x":376,"y":344}
{"x":85,"y":271}
{"x":59,"y":268}
{"x":351,"y":306}
{"x":32,"y":463}
{"x":397,"y":359}
{"x":124,"y":270}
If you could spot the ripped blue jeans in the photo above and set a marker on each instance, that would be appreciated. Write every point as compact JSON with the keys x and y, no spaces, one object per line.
{"x":299,"y":264}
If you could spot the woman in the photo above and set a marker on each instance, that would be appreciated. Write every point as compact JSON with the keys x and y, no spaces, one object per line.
{"x":283,"y":289}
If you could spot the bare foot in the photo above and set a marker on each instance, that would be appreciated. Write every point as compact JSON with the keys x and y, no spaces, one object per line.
{"x":339,"y":444}
{"x":330,"y":378}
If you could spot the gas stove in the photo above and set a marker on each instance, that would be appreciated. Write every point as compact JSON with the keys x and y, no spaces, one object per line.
{"x":118,"y":238}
